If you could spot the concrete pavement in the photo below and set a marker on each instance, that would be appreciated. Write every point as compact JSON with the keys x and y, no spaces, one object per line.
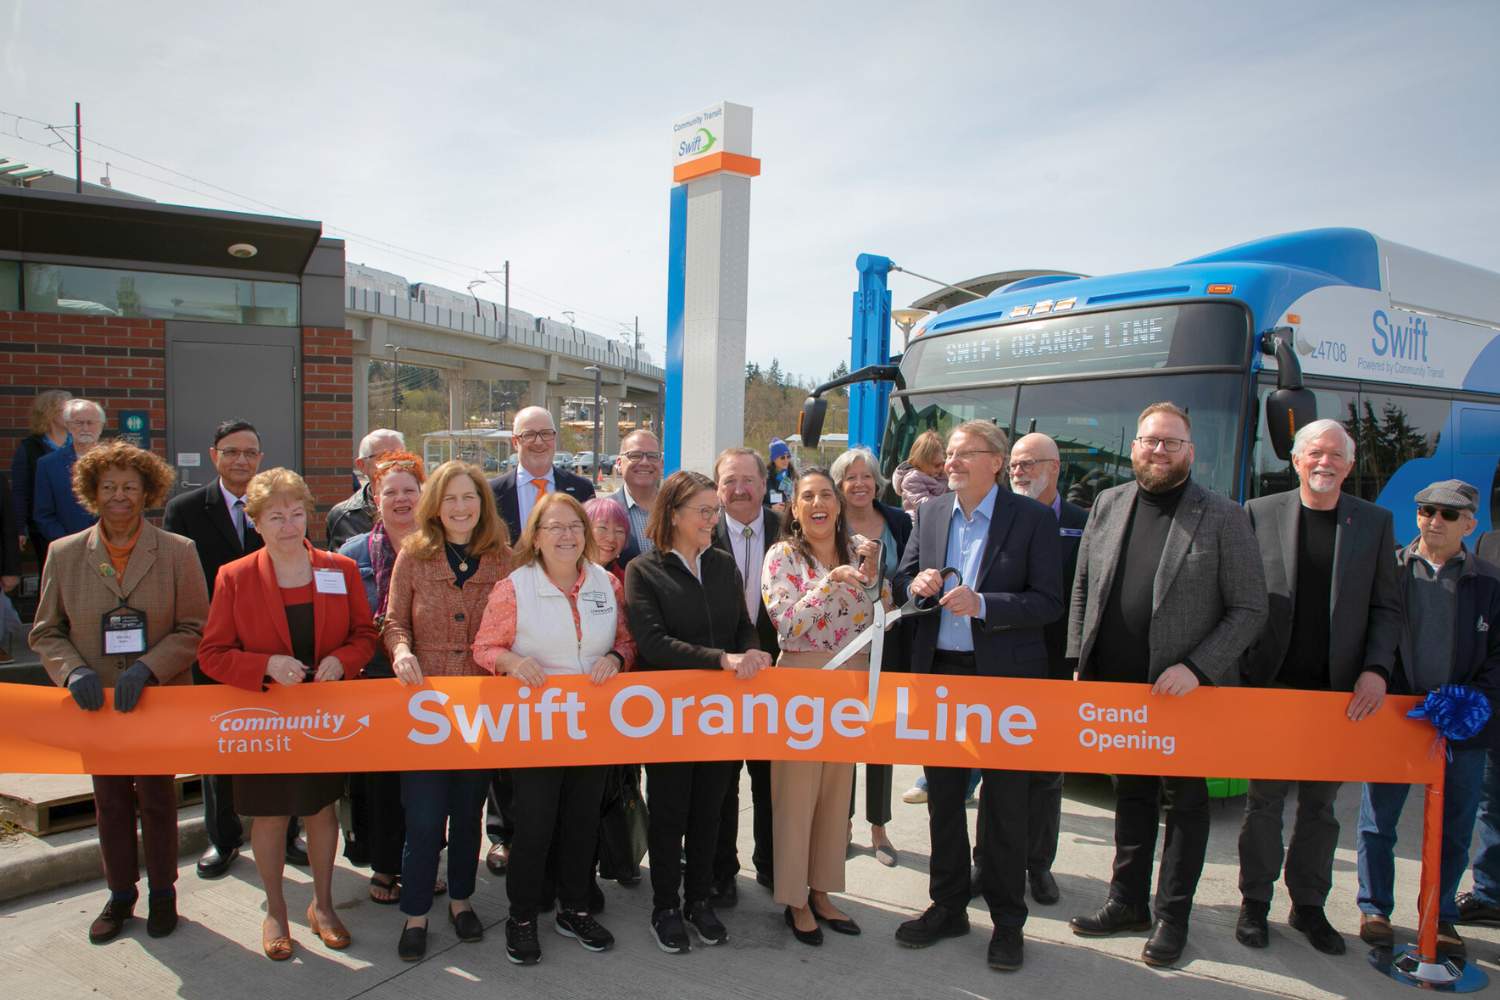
{"x":215,"y":952}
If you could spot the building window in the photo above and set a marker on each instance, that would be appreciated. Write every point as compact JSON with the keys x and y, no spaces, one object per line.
{"x":98,"y":291}
{"x":10,"y":285}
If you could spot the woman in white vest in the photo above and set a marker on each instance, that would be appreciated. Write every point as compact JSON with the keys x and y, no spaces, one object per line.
{"x":558,"y":613}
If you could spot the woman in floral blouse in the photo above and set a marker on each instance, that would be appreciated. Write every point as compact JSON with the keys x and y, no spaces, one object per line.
{"x":818,"y":586}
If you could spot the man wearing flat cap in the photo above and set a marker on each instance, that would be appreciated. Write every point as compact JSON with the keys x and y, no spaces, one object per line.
{"x":1451,"y":603}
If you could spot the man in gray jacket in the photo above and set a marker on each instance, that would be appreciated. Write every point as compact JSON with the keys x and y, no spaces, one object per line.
{"x":1168,"y":592}
{"x":1335,"y":622}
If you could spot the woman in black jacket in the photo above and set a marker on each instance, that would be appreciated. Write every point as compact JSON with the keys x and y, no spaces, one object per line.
{"x":686,"y":608}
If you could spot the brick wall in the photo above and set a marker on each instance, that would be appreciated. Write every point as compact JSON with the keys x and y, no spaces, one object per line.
{"x":121,"y":363}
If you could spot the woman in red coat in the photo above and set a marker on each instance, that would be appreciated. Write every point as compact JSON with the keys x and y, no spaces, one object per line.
{"x":288,"y":614}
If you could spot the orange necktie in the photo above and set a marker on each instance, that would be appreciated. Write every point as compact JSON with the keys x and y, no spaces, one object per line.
{"x":541,"y":487}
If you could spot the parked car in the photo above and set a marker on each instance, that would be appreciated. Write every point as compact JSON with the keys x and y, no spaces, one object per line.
{"x":583,"y":463}
{"x":607,"y":465}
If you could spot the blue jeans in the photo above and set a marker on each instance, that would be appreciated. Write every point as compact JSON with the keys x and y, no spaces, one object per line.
{"x":436,"y":801}
{"x":1487,"y":864}
{"x":1380,"y":810}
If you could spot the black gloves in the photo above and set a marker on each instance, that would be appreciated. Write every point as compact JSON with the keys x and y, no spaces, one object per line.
{"x":87,"y":692}
{"x":130,"y":685}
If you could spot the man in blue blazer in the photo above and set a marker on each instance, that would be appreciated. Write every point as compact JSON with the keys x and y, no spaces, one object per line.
{"x":55,"y":508}
{"x":534,"y":436}
{"x":1009,"y":587}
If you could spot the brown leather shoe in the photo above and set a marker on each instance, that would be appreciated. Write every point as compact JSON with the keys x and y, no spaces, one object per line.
{"x":1376,"y":930}
{"x":335,"y":937}
{"x":1449,"y":943}
{"x":111,"y":920}
{"x":277,"y":946}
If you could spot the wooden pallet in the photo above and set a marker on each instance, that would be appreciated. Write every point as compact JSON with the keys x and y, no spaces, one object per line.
{"x":50,"y":803}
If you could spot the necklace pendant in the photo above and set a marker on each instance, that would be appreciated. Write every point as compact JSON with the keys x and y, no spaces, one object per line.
{"x":463,"y":567}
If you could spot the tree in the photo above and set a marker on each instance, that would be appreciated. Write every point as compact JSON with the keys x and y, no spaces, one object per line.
{"x":752,"y":372}
{"x":775,"y":375}
{"x":840,"y":372}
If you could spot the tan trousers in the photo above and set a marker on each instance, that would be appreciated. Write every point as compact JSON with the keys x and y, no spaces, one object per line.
{"x":810,"y":812}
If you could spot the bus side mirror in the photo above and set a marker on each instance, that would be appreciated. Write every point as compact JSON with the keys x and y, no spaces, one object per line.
{"x":1288,"y":411}
{"x":810,"y":423}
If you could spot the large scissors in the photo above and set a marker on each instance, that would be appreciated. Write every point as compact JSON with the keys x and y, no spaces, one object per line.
{"x":874,"y":636}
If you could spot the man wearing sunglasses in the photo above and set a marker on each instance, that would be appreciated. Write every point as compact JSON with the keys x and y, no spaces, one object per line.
{"x":1168,"y":592}
{"x":1334,"y":624}
{"x":640,"y":475}
{"x":1451,"y":600}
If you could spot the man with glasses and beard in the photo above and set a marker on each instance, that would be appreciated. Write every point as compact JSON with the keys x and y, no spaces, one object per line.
{"x":1334,"y":623}
{"x":1450,"y":600}
{"x":1169,"y":592}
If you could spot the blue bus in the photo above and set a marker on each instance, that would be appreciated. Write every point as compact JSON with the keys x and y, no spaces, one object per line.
{"x":1254,"y":341}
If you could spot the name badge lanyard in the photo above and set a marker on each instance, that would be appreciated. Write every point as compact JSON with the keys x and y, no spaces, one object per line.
{"x":874,"y":636}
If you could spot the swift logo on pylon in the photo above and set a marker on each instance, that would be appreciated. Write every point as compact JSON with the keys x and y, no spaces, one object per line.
{"x":698,"y":144}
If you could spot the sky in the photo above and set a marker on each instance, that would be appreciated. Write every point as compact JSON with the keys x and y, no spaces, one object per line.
{"x":957,"y":139}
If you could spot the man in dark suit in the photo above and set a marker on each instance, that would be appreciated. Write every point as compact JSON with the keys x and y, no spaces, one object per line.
{"x":640,"y":479}
{"x":1168,"y":592}
{"x":747,"y":531}
{"x":1334,"y":624}
{"x":534,"y":435}
{"x":1034,"y":468}
{"x":1005,"y":548}
{"x":213,"y":516}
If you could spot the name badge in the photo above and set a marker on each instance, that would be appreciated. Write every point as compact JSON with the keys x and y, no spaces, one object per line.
{"x":329,"y":581}
{"x":124,"y":632}
{"x":1070,"y":532}
{"x":776,"y":497}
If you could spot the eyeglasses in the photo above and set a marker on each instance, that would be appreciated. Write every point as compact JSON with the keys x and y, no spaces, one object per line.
{"x":1446,"y":513}
{"x":642,"y":456}
{"x":706,"y":512}
{"x":235,"y":454}
{"x":531,"y":437}
{"x":968,"y":456}
{"x":558,"y":530}
{"x":1025,"y":465}
{"x":1169,"y":445}
{"x":129,"y":489}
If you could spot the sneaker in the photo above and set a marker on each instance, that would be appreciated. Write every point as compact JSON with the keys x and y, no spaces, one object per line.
{"x":671,"y":936}
{"x":585,"y":930}
{"x":706,"y":924}
{"x":1473,"y":910}
{"x":914,"y":796}
{"x":936,"y":923}
{"x":521,"y":944}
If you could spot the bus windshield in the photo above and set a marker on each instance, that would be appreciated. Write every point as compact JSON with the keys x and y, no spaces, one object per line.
{"x":1092,"y":421}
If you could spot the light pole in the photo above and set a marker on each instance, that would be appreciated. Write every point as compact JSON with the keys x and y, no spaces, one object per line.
{"x":906,"y":319}
{"x":473,"y":285}
{"x":395,"y":350}
{"x":597,"y":375}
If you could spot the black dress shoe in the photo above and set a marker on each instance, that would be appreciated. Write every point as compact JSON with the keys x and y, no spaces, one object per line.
{"x":466,"y":925}
{"x":841,"y":925}
{"x":725,"y":893}
{"x":1311,"y":921}
{"x":296,"y":853}
{"x":1114,"y":917}
{"x":1007,"y":949}
{"x":1043,"y":887}
{"x":1473,"y":910}
{"x":1251,"y":929}
{"x":813,"y":937}
{"x":936,"y":923}
{"x":215,"y":863}
{"x":413,"y":944}
{"x":1164,"y":946}
{"x":161,"y":914}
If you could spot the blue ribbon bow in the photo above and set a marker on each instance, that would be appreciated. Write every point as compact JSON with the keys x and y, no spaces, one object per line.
{"x":1456,"y":711}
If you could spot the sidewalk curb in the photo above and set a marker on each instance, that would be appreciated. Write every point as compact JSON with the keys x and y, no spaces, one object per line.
{"x":30,"y":865}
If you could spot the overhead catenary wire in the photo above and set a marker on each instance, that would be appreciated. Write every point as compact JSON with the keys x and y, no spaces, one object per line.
{"x":460,"y":269}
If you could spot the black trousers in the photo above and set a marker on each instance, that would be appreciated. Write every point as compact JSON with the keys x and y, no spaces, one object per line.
{"x":726,"y":856}
{"x":877,"y":794}
{"x":378,"y":821}
{"x":499,"y":815}
{"x":1043,"y":820}
{"x":557,"y":817}
{"x":220,"y":821}
{"x":685,"y":802}
{"x":1138,"y":802}
{"x":1309,"y":858}
{"x":1002,"y":833}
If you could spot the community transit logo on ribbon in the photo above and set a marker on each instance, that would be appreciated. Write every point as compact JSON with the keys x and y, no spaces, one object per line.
{"x":256,"y":729}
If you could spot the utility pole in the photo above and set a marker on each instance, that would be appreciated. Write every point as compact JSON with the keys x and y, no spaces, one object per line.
{"x":78,"y":147}
{"x":597,"y":375}
{"x":506,"y":333}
